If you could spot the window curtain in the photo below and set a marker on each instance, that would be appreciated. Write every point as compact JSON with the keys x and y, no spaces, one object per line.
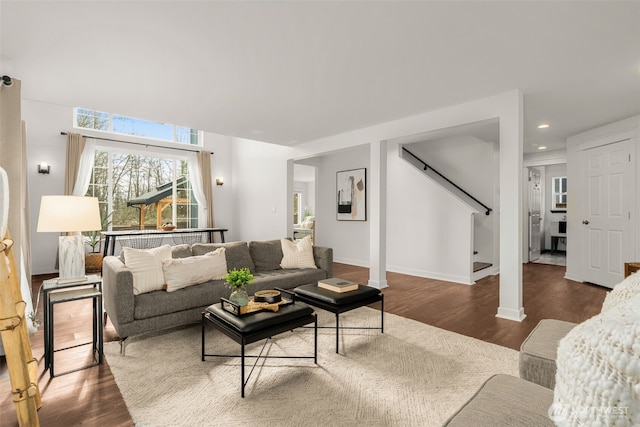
{"x":85,"y":166}
{"x":78,"y":165}
{"x":13,"y":160}
{"x":200,"y":178}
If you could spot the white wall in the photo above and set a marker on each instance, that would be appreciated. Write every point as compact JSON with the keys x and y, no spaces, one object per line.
{"x":428,"y":229}
{"x":349,"y":239}
{"x":469,"y":163}
{"x":260,"y":189}
{"x":45,"y":121}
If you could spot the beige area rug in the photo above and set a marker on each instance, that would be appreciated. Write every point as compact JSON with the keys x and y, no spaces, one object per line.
{"x":412,"y":375}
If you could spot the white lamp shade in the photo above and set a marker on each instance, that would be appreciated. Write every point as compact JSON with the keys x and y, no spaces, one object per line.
{"x":64,"y":214}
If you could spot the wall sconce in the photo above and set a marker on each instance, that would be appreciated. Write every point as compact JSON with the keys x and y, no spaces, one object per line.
{"x":219,"y":181}
{"x":43,"y":168}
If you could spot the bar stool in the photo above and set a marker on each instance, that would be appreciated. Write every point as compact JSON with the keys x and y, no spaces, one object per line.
{"x":75,"y":295}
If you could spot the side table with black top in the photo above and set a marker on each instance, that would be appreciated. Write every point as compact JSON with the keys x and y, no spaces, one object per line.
{"x":249,"y":328}
{"x":58,"y":293}
{"x":336,"y":302}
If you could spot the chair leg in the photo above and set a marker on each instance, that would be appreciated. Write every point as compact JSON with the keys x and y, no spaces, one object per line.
{"x":123,"y":344}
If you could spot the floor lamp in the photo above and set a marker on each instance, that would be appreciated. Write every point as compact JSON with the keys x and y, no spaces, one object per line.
{"x":70,"y":215}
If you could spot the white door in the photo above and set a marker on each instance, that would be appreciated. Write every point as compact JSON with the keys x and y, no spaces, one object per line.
{"x":535,"y":200}
{"x":607,"y":197}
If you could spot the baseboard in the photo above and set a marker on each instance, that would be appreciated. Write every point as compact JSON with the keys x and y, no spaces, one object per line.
{"x":357,"y":263}
{"x":432,"y":275}
{"x":510,"y":314}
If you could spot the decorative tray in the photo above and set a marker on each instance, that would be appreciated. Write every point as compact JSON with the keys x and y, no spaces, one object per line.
{"x":253,"y":306}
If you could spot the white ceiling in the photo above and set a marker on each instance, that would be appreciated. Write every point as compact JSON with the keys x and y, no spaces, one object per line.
{"x":291,"y":72}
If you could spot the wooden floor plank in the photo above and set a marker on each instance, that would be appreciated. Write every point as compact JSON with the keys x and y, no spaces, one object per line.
{"x":91,"y":397}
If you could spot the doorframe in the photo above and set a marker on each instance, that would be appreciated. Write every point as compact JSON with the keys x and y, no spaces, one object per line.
{"x":552,"y":158}
{"x":542,"y":176}
{"x":624,"y":129}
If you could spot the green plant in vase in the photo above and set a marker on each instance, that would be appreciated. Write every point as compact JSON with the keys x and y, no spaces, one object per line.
{"x":237,"y":280}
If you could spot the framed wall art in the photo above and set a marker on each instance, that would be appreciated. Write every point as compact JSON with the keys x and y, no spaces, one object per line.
{"x":351,"y":190}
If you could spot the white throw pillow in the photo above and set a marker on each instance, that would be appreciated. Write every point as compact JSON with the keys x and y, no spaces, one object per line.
{"x":182,"y":272}
{"x":298,"y":254}
{"x":146,"y":267}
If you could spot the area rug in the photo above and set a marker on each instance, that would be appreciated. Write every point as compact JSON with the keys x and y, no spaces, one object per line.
{"x":412,"y":375}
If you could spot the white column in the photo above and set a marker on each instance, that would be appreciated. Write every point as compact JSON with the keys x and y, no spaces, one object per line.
{"x":377,"y":214}
{"x":511,"y":212}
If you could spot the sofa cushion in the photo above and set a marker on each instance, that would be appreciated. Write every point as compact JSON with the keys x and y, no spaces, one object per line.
{"x":146,"y":267}
{"x":182,"y":272}
{"x":159,"y":303}
{"x":286,"y":278}
{"x":537,"y":359}
{"x":298,"y":254}
{"x":236,"y":253}
{"x":266,"y":255}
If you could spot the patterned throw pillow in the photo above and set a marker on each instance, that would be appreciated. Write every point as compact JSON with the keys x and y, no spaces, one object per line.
{"x":182,"y":272}
{"x":297,"y":254}
{"x":146,"y":267}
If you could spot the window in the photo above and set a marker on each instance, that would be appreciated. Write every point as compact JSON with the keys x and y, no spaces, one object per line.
{"x":297,"y":207}
{"x":559,"y":194}
{"x":116,"y":123}
{"x":139,"y":190}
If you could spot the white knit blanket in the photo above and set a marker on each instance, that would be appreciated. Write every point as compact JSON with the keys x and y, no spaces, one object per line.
{"x":598,"y":366}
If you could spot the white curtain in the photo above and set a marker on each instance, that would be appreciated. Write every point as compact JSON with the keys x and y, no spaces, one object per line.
{"x":84,"y":168}
{"x":200,"y":178}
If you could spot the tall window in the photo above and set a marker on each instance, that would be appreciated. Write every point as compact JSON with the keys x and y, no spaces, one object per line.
{"x":559,"y":194}
{"x":116,"y":123}
{"x":139,"y":190}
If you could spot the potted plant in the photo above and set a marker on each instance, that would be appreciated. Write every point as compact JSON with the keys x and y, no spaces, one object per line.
{"x":93,"y":259}
{"x":237,"y":280}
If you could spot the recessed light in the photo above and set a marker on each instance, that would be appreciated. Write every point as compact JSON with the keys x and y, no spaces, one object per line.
{"x":543,"y":126}
{"x":542,"y":147}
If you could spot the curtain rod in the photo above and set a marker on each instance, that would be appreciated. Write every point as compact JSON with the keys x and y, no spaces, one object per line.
{"x":135,"y":143}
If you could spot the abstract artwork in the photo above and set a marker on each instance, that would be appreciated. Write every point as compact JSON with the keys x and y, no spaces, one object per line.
{"x":351,"y":189}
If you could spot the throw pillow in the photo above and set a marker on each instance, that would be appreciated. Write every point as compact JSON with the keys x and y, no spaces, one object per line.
{"x":146,"y":267}
{"x":598,"y":370}
{"x":237,"y":254}
{"x":297,"y":254}
{"x":182,"y":272}
{"x":623,"y":291}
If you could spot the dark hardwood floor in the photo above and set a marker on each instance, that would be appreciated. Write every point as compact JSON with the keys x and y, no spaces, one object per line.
{"x":90,"y":397}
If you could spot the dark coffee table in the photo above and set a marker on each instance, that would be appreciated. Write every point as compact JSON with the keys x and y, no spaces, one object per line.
{"x":337,"y":303}
{"x":253,"y":327}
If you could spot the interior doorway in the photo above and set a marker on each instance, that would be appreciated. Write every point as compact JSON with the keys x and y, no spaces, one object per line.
{"x":543,"y":244}
{"x":535,"y":203}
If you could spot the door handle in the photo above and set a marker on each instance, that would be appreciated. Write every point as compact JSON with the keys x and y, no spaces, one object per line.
{"x":585,"y":222}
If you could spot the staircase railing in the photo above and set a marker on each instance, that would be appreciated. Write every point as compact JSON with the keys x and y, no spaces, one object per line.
{"x":427,"y":167}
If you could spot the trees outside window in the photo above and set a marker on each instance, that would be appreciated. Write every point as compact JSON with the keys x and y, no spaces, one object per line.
{"x":125,"y":125}
{"x":118,"y":179}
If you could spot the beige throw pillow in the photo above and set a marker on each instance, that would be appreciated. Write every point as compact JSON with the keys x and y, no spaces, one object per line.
{"x":146,"y":267}
{"x":182,"y":272}
{"x":298,"y":254}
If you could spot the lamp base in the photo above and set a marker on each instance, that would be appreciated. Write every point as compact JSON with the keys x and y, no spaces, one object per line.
{"x":71,"y":259}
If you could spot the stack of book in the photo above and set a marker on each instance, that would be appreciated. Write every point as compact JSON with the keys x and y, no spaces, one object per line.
{"x":337,"y":285}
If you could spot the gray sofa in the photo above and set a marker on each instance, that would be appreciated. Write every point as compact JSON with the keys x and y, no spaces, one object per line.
{"x":137,"y":314}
